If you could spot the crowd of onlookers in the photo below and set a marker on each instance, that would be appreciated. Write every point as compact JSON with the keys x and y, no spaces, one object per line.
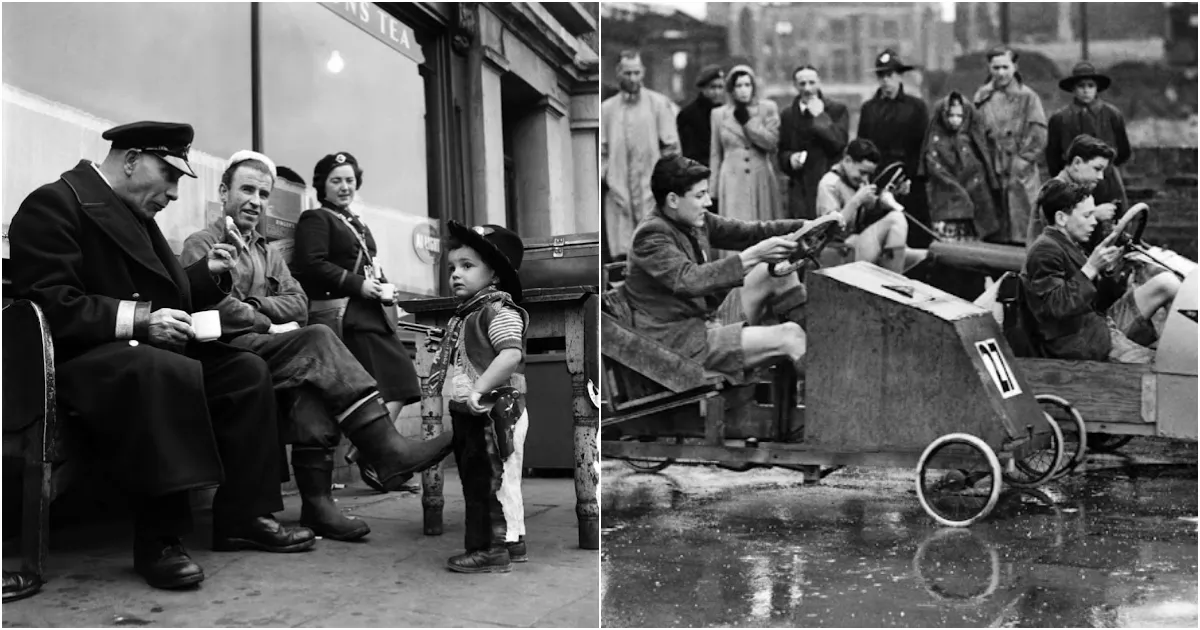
{"x":972,"y":158}
{"x":968,"y":172}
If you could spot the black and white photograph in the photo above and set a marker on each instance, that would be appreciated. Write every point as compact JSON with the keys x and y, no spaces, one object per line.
{"x":898,"y":318}
{"x":301,"y":314}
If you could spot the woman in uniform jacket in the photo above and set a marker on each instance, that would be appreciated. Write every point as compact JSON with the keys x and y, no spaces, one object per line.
{"x":334,"y":260}
{"x":745,"y":137}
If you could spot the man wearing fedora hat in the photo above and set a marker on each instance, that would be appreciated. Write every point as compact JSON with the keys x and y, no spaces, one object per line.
{"x":483,"y":351}
{"x":1088,"y":114}
{"x":896,"y":123}
{"x":168,"y":413}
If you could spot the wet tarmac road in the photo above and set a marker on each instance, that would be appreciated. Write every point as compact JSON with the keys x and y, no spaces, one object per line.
{"x":700,"y":546}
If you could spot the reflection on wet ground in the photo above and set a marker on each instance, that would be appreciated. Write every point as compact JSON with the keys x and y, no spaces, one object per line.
{"x":698,"y":546}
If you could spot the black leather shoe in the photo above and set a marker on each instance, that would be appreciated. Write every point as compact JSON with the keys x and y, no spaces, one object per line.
{"x":164,"y":563}
{"x":19,"y":585}
{"x":517,"y":552}
{"x":264,"y":533}
{"x":494,"y":560}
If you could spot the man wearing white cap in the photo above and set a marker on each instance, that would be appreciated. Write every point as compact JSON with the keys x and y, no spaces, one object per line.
{"x":265,"y":313}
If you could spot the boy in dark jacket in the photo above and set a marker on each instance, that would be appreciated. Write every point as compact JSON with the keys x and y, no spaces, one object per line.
{"x":483,"y":350}
{"x":1089,"y":114}
{"x":1062,"y":284}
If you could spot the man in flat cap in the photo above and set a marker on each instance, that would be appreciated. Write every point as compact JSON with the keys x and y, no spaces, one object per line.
{"x":895,"y":122}
{"x":694,"y":120}
{"x":170,"y":414}
{"x":264,"y":313}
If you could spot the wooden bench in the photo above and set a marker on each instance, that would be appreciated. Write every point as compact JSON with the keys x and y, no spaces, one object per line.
{"x":37,"y":427}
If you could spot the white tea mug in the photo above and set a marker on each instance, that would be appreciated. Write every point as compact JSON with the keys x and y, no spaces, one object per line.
{"x":207,"y":325}
{"x":387,"y":292}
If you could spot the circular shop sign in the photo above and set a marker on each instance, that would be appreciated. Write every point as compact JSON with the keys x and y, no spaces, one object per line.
{"x":427,"y":243}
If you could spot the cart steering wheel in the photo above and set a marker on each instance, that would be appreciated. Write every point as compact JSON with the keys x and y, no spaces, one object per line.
{"x":810,"y":240}
{"x":1129,"y":229}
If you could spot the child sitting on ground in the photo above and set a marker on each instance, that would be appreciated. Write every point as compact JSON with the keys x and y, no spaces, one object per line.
{"x":484,"y":349}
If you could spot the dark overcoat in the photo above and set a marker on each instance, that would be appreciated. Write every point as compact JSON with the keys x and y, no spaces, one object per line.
{"x":824,"y":137}
{"x":78,"y":251}
{"x":695,"y":129}
{"x":897,"y":127}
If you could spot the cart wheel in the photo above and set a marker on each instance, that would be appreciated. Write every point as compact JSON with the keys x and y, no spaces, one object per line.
{"x":1075,"y":437}
{"x":1039,"y":466}
{"x":1106,"y":442}
{"x":958,"y":479}
{"x":651,"y":465}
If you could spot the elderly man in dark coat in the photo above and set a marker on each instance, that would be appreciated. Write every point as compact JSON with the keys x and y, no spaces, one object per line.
{"x":169,"y":413}
{"x":813,"y":132}
{"x":896,"y":122}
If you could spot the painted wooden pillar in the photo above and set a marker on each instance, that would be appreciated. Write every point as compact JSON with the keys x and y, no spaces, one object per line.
{"x":580,"y":344}
{"x":432,"y":498}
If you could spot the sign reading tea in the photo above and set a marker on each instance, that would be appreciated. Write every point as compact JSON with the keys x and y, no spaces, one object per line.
{"x":382,"y":26}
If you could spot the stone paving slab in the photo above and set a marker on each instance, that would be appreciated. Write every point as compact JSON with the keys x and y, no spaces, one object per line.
{"x":396,"y":578}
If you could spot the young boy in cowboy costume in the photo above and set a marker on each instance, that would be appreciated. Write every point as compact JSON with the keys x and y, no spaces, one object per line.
{"x":483,"y":350}
{"x":1088,"y":114}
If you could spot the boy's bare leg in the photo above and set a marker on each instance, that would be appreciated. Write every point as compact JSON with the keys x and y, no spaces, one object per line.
{"x":883,"y":242}
{"x":761,"y":289}
{"x":1156,"y":293}
{"x":764,"y":344}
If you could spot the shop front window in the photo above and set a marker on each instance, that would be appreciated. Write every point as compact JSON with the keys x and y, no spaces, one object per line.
{"x":329,"y":86}
{"x":72,"y":70}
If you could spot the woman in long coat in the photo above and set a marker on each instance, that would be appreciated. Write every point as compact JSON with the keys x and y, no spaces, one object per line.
{"x":960,"y":182}
{"x":745,"y":136}
{"x":1016,"y":121}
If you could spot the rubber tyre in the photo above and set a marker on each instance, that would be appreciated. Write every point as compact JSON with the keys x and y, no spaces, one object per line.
{"x":994,"y":471}
{"x":1075,"y":422}
{"x":1036,"y":476}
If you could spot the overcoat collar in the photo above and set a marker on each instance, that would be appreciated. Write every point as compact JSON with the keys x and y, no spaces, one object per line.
{"x":118,"y":222}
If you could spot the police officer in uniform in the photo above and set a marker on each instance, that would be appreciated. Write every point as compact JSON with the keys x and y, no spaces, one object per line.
{"x":167,"y":413}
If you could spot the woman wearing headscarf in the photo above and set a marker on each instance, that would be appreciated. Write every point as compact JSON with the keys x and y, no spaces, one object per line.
{"x":960,"y":182}
{"x":745,"y":135}
{"x":1013,"y":115}
{"x":334,"y":260}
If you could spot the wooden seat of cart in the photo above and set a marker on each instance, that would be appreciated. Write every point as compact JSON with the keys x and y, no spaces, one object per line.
{"x":898,"y":374}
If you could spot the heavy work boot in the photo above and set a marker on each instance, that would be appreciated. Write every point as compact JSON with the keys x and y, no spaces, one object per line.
{"x":394,"y":457}
{"x":318,"y":512}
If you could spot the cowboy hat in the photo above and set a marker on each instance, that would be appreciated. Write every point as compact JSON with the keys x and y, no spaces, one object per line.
{"x":1084,"y":70}
{"x":500,"y":248}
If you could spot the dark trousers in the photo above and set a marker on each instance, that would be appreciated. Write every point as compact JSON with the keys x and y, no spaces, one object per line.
{"x":171,"y":422}
{"x":314,"y":358}
{"x":480,"y":469}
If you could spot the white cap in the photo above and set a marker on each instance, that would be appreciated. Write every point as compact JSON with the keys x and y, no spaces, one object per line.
{"x":245,"y":154}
